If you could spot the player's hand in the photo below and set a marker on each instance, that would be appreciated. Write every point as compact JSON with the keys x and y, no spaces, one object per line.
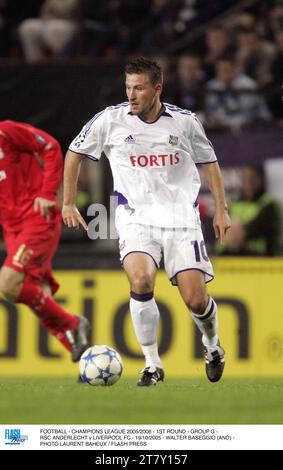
{"x":221,"y":224}
{"x":43,"y":205}
{"x":236,"y":236}
{"x":72,"y":217}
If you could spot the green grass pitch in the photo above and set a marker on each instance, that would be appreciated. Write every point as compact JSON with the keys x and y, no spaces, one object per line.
{"x":176,"y":401}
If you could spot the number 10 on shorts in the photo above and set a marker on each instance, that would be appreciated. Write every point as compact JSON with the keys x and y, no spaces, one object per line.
{"x":200,"y":250}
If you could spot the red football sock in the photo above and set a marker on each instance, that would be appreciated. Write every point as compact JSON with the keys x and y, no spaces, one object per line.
{"x":52,"y":316}
{"x":60,"y":336}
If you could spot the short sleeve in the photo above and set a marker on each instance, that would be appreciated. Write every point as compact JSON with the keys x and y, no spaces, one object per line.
{"x":90,"y":141}
{"x":203,"y":151}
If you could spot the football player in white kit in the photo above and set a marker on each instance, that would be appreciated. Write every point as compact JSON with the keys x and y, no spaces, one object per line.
{"x":153,"y":149}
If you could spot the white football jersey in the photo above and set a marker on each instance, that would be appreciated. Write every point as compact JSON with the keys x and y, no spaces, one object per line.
{"x":153,"y":164}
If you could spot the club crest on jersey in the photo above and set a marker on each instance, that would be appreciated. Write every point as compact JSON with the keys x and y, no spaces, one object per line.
{"x":173,"y":140}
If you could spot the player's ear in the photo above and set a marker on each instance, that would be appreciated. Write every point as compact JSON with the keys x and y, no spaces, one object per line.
{"x":159,"y":88}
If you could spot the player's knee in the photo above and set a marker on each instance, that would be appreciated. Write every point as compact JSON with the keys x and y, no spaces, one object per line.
{"x":141,"y":283}
{"x":7,"y":290}
{"x":196,"y":302}
{"x":10,"y":285}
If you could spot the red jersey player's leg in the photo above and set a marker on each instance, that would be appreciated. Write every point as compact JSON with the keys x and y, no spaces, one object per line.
{"x":30,"y":252}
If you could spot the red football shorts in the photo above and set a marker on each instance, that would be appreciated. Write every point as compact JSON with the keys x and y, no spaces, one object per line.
{"x":31,"y":248}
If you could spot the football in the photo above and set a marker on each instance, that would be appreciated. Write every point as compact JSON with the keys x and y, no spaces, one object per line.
{"x":100,"y":365}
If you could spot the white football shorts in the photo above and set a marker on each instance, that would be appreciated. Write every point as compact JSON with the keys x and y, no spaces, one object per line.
{"x":183,"y":249}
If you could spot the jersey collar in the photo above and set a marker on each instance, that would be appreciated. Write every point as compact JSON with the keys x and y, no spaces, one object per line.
{"x":164,"y":113}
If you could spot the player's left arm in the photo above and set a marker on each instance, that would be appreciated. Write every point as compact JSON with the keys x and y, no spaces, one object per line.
{"x":221,"y":221}
{"x":203,"y":154}
{"x":49,"y":154}
{"x":52,"y":158}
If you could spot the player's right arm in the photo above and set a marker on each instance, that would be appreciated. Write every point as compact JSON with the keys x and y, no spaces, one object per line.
{"x":88,"y":143}
{"x":70,"y":213}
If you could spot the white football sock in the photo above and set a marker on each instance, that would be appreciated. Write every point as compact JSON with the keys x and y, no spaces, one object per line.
{"x":151,"y":355}
{"x":207,"y":323}
{"x":145,"y":317}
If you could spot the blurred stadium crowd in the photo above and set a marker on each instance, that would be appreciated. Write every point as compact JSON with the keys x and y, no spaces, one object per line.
{"x":222,"y":59}
{"x":206,"y":47}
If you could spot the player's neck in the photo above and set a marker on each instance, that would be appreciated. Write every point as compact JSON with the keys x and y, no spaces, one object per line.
{"x":154,"y":113}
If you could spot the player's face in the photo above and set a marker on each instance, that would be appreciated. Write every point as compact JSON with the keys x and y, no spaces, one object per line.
{"x":142,"y":94}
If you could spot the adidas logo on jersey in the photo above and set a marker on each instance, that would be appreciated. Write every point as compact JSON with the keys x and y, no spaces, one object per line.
{"x":130,"y":140}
